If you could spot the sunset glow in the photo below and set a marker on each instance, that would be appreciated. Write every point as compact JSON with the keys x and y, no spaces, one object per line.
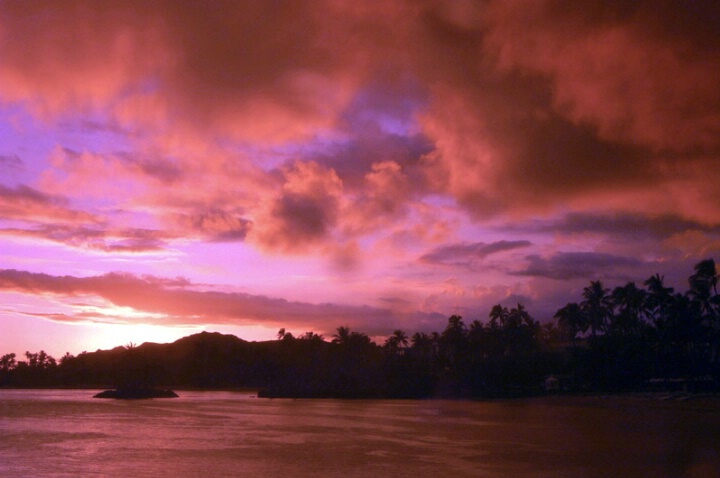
{"x":172,"y":167}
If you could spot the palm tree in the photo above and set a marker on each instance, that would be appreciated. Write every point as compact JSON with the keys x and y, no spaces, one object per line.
{"x":706,"y":302}
{"x":689,"y":333}
{"x":521,"y":331}
{"x":630,"y":305}
{"x":453,"y":341}
{"x":572,"y":319}
{"x":421,"y":340}
{"x":498,"y":316}
{"x":495,"y":329}
{"x":705,"y":278}
{"x":477,"y":338}
{"x":596,"y":306}
{"x":658,"y":299}
{"x":703,"y":290}
{"x":400,"y":337}
{"x":659,"y":303}
{"x":7,"y":362}
{"x":397,"y":341}
{"x":423,"y":345}
{"x":7,"y":365}
{"x":342,"y":336}
{"x":312,"y":337}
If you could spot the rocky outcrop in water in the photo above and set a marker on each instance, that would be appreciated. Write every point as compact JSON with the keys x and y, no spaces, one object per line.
{"x":136,"y":393}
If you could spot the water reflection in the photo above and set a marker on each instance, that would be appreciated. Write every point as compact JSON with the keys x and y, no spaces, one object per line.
{"x":63,"y":433}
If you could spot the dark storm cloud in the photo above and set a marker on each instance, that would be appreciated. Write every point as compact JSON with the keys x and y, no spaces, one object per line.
{"x":304,"y":218}
{"x":552,"y":101}
{"x":464,"y":254}
{"x":631,"y":224}
{"x":305,"y":212}
{"x":574,"y":265}
{"x":618,"y":224}
{"x":520,"y":106}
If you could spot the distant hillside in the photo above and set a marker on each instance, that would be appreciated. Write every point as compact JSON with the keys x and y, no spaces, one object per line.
{"x":292,"y":367}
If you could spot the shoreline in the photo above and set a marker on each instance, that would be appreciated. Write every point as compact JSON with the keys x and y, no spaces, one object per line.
{"x":653,"y":399}
{"x":709,"y":402}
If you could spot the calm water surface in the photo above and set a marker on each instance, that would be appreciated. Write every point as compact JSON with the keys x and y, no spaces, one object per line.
{"x":67,"y":433}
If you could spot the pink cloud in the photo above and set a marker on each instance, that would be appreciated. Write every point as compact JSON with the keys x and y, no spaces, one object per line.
{"x":506,"y":107}
{"x":383,"y":200}
{"x":87,"y":174}
{"x":216,"y":225}
{"x":24,"y":203}
{"x":72,"y":57}
{"x":178,"y":302}
{"x":622,"y":71}
{"x":255,"y":71}
{"x":306,"y":210}
{"x":548,"y":105}
{"x":499,"y":80}
{"x":92,"y":239}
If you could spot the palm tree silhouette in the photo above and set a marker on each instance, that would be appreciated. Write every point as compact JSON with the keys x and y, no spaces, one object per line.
{"x":597,"y":306}
{"x":630,"y":304}
{"x":658,"y":298}
{"x":703,"y":290}
{"x":706,"y":302}
{"x":659,"y":303}
{"x":397,"y":341}
{"x":342,"y":336}
{"x":400,"y":337}
{"x":572,"y":319}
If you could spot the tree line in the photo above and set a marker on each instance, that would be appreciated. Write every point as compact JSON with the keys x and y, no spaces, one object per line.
{"x":627,"y":338}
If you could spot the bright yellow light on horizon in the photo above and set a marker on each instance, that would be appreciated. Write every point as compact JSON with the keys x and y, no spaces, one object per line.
{"x":108,"y":336}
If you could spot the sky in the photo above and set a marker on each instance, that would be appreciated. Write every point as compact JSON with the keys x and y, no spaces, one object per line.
{"x":172,"y":167}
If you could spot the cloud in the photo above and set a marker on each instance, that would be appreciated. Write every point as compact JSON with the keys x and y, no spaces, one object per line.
{"x":178,"y":302}
{"x":505,"y":106}
{"x":622,"y":227}
{"x":637,"y":71}
{"x":549,"y":105}
{"x":11,"y":162}
{"x":84,"y":174}
{"x":466,"y":255}
{"x":126,"y":241}
{"x":75,"y":57}
{"x":384,"y":200}
{"x":574,"y":265}
{"x":27,"y":204}
{"x":32,"y":214}
{"x":161,"y":169}
{"x":216,"y":225}
{"x":247,"y":70}
{"x":380,"y":125}
{"x":225,"y":109}
{"x":626,"y":224}
{"x":305,"y":212}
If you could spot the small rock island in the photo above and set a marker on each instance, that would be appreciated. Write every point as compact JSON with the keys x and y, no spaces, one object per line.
{"x":136,"y":393}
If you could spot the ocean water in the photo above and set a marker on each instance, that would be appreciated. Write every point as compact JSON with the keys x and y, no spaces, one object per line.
{"x":58,"y":433}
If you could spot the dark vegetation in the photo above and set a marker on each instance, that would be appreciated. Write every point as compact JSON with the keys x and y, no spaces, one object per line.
{"x":627,"y":338}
